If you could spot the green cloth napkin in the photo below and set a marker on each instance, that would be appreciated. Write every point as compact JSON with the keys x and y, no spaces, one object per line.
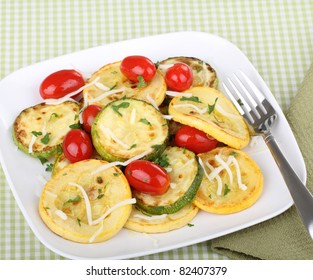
{"x":283,"y":237}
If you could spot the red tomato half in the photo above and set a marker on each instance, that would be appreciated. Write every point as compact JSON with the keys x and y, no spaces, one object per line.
{"x":179,"y":77}
{"x":77,"y":145}
{"x":194,"y":140}
{"x":88,"y":115}
{"x":61,"y":83}
{"x":136,"y":65}
{"x":147,"y":177}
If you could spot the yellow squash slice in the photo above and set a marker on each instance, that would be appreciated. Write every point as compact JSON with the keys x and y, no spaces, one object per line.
{"x":112,"y":85}
{"x":232,"y":181}
{"x":142,"y":222}
{"x":210,"y":111}
{"x":85,"y":207}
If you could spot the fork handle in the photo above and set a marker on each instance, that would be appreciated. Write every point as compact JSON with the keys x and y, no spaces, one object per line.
{"x":301,"y":196}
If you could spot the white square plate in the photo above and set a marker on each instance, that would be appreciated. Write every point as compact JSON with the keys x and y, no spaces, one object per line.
{"x":20,"y":90}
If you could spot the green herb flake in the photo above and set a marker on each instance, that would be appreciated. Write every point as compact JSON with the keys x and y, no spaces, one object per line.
{"x":116,"y":174}
{"x":113,"y":87}
{"x":239,"y":102}
{"x":100,"y":195}
{"x":75,"y":126}
{"x":53,"y":116}
{"x":145,"y":121}
{"x":192,"y":98}
{"x":190,"y":225}
{"x":74,"y":200}
{"x":141,"y":82}
{"x":49,"y":167}
{"x":132,"y":146}
{"x":78,"y":221}
{"x":99,"y":180}
{"x":120,"y":106}
{"x":36,"y":133}
{"x":212,"y":107}
{"x":157,"y":64}
{"x":226,"y":189}
{"x":162,"y":161}
{"x":43,"y":160}
{"x":233,"y":154}
{"x":156,"y":147}
{"x":45,"y":140}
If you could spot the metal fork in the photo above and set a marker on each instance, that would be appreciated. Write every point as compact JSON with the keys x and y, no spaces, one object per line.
{"x":261,"y":115}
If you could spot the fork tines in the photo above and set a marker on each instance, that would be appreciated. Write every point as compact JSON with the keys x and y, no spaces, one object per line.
{"x":247,"y":98}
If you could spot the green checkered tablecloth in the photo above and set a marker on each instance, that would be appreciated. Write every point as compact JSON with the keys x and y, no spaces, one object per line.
{"x":277,"y":36}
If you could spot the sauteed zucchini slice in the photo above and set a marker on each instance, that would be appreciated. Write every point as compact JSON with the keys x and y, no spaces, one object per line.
{"x":186,"y":176}
{"x":128,"y":127}
{"x":39,"y":130}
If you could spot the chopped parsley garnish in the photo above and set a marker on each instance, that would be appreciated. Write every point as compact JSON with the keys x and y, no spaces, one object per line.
{"x":74,"y":200}
{"x":190,"y":225}
{"x":240,"y":102}
{"x":233,"y":154}
{"x":145,"y":121}
{"x":100,"y":195}
{"x":43,"y":160}
{"x":141,"y":82}
{"x":49,"y":167}
{"x":192,"y":98}
{"x":37,"y":133}
{"x":99,"y":180}
{"x":75,"y":126}
{"x":212,"y":107}
{"x":53,"y":115}
{"x":156,"y":147}
{"x":157,"y":64}
{"x":162,"y":161}
{"x":119,"y":106}
{"x":132,"y":146}
{"x":45,"y":140}
{"x":78,"y":221}
{"x":226,"y":189}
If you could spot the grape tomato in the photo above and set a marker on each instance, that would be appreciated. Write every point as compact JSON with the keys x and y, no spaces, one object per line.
{"x":61,"y":83}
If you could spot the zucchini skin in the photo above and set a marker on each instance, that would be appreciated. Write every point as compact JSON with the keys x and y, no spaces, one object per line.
{"x":188,"y":197}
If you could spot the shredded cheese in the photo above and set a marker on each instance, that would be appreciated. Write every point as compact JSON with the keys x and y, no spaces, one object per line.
{"x":200,"y":111}
{"x":177,"y":93}
{"x":31,"y":143}
{"x":240,"y":184}
{"x":150,"y":218}
{"x":133,"y":116}
{"x":110,"y":210}
{"x":114,"y":163}
{"x":105,"y":94}
{"x":109,"y":132}
{"x":167,"y":117}
{"x":186,"y":164}
{"x":61,"y":214}
{"x":152,"y":101}
{"x":87,"y":202}
{"x":101,"y":86}
{"x":218,"y":179}
{"x":68,"y":96}
{"x":96,"y":233}
{"x":226,"y":166}
{"x":165,"y":66}
{"x":173,"y":185}
{"x":226,"y":114}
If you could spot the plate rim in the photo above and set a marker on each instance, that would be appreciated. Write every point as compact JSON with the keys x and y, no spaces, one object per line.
{"x":153,"y":251}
